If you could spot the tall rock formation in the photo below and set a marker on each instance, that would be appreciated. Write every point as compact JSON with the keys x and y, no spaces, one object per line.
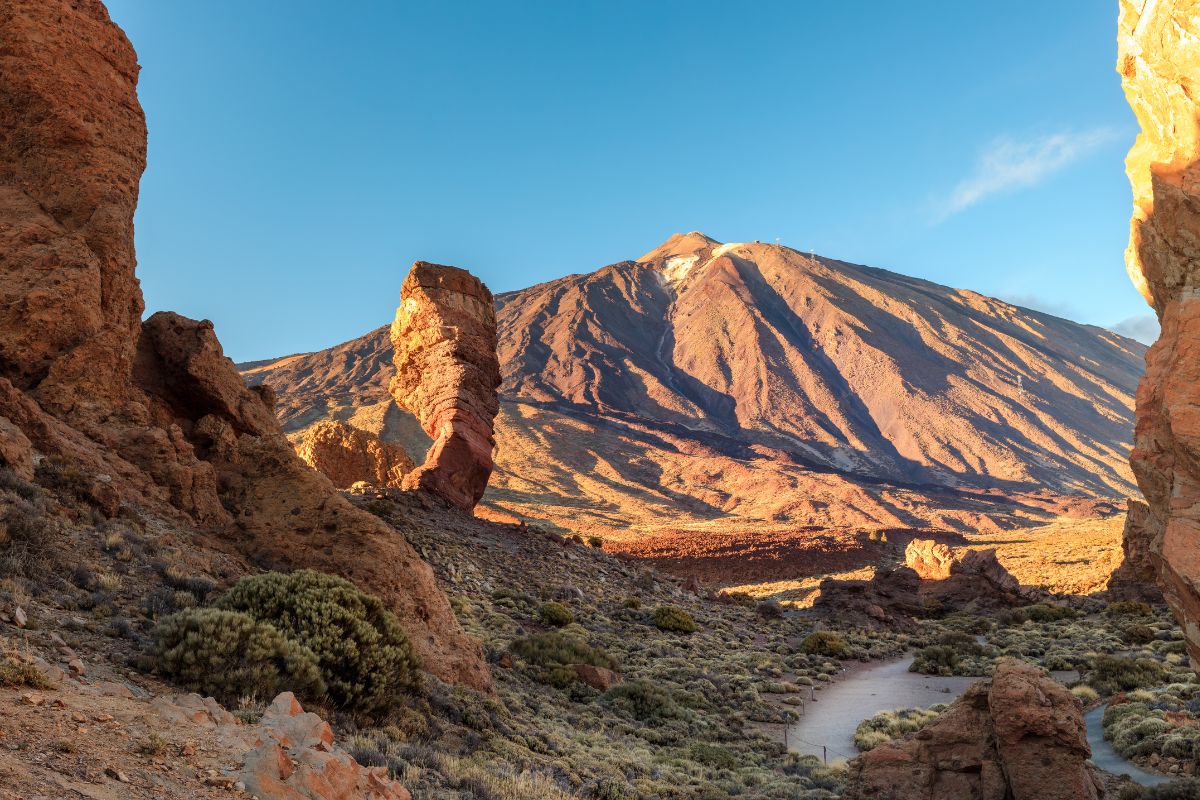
{"x":1158,"y":57}
{"x":151,"y":414}
{"x":1018,"y":736}
{"x":1137,"y":576}
{"x":447,"y":373}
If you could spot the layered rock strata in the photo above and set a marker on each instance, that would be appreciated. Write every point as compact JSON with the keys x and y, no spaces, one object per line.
{"x":1018,"y":736}
{"x":152,"y":415}
{"x":1158,"y":57}
{"x":447,"y":374}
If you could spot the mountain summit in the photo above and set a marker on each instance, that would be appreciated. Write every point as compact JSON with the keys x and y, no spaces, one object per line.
{"x":710,"y":387}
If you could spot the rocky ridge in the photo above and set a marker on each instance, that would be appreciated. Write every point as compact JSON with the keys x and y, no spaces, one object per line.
{"x":706,"y":393}
{"x":347,"y":455}
{"x":1158,"y":58}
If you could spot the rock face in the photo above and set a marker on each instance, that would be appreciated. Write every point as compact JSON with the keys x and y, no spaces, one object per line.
{"x":447,"y":373}
{"x":1137,"y":576}
{"x":151,"y":414}
{"x":1158,"y":57}
{"x":929,"y":559}
{"x":1018,"y":736}
{"x":347,"y":455}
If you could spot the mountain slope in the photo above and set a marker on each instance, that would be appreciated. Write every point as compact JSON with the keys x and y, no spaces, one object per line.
{"x":749,"y":387}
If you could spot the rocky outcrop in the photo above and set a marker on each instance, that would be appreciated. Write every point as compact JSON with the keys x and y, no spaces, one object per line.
{"x":151,"y":414}
{"x":447,"y":374}
{"x":1137,"y":576}
{"x":1158,"y":57}
{"x":933,"y":578}
{"x":1018,"y":736}
{"x":929,"y":559}
{"x":347,"y":455}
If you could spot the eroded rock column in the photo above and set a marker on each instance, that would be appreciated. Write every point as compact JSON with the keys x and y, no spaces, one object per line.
{"x":447,"y":374}
{"x":1158,"y":57}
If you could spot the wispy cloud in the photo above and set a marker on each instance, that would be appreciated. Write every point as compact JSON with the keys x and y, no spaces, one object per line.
{"x":1009,"y":163}
{"x":1143,"y":327}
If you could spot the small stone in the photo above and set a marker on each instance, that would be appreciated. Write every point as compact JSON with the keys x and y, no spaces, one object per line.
{"x":188,"y":749}
{"x":19,"y":617}
{"x":116,"y":774}
{"x":33,"y":699}
{"x":103,"y":718}
{"x":76,"y":666}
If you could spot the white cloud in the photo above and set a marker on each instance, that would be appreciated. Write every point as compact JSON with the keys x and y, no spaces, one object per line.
{"x":1143,"y":328}
{"x":1009,"y":163}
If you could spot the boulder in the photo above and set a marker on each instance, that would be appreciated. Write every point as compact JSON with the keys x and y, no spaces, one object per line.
{"x":1018,"y":736}
{"x":596,"y":677}
{"x":929,"y":559}
{"x":1158,"y":58}
{"x":447,"y":374}
{"x":348,"y":455}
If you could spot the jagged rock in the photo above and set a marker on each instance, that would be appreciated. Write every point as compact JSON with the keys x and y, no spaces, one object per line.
{"x":891,"y":596}
{"x":447,"y":373}
{"x":931,"y":560}
{"x":1137,"y":576}
{"x":1018,"y":736}
{"x":16,"y":451}
{"x":152,"y":414}
{"x":347,"y":455}
{"x":1158,"y":57}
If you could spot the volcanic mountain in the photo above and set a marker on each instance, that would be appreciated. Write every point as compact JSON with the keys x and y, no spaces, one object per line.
{"x":739,"y":389}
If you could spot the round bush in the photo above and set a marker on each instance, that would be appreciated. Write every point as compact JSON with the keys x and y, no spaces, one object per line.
{"x":230,"y":656}
{"x":825,"y":643}
{"x":555,"y":614}
{"x":670,"y":618}
{"x":363,"y":655}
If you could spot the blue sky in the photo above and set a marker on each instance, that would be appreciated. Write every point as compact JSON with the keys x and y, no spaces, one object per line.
{"x":303,"y":154}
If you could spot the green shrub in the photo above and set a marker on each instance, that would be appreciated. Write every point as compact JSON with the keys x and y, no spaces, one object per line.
{"x":1111,"y":674}
{"x":1130,"y":608}
{"x":1139,"y":634}
{"x":554,"y":654}
{"x":644,"y":700}
{"x":596,"y":542}
{"x":555,"y":614}
{"x":1045,"y":612}
{"x":937,"y":659}
{"x":671,"y":618}
{"x":825,"y":643}
{"x":364,"y":657}
{"x":712,"y":755}
{"x":230,"y":655}
{"x":632,"y":602}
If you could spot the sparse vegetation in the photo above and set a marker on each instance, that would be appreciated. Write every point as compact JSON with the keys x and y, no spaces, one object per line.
{"x":888,"y":725}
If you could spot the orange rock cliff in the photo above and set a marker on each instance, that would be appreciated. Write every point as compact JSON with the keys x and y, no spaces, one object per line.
{"x":1158,"y":58}
{"x":153,"y":414}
